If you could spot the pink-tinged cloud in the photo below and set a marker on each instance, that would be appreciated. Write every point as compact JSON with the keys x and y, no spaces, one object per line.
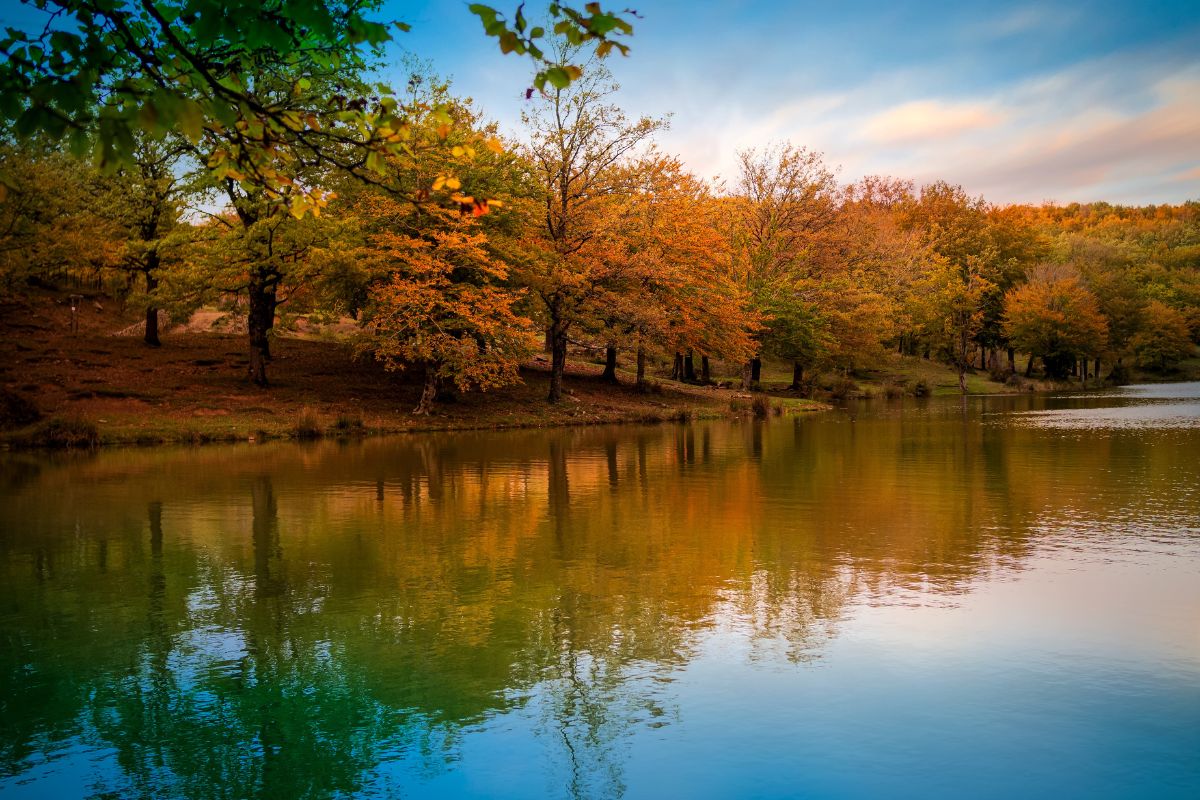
{"x":1091,"y":156}
{"x":1188,"y":175}
{"x":925,"y":120}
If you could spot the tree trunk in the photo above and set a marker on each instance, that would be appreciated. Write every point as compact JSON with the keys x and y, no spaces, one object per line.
{"x":677,"y":366}
{"x":797,"y":376}
{"x":689,"y":367}
{"x":641,"y":367}
{"x":610,"y":365}
{"x":268,"y":321}
{"x":755,"y":369}
{"x":962,"y":359}
{"x":1029,"y":366}
{"x":151,"y":335}
{"x":1012,"y":360}
{"x":558,"y":357}
{"x":705,"y":370}
{"x":429,"y":392}
{"x":256,"y":323}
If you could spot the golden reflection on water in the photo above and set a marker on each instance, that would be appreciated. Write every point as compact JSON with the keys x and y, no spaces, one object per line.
{"x":287,"y":619}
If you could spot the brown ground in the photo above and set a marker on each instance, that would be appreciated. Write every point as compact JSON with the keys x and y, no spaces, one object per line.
{"x":194,"y":387}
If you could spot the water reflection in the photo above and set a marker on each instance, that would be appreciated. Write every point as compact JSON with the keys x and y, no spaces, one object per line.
{"x":383,"y":616}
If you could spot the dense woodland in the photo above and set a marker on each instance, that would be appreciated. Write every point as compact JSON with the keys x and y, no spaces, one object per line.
{"x":459,"y":253}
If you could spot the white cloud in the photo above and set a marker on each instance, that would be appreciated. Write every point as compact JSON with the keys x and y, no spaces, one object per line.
{"x":1124,"y":128}
{"x":1023,"y":20}
{"x":923,"y":120}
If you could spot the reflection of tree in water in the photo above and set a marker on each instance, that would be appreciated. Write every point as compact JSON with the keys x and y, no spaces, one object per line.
{"x":243,"y":697}
{"x":590,"y":695}
{"x":307,"y":615}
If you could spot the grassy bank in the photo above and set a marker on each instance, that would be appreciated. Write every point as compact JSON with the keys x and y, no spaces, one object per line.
{"x":95,"y":387}
{"x":897,"y":376}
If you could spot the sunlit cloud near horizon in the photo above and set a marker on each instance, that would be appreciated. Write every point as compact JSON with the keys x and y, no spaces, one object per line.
{"x":1018,"y":102}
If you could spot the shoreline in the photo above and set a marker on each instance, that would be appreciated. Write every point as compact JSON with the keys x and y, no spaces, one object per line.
{"x":96,"y":388}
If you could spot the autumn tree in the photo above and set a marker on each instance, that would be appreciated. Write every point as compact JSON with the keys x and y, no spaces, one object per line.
{"x":950,"y":310}
{"x":578,"y":141}
{"x":1163,"y":339}
{"x":443,"y":307}
{"x":1053,"y":316}
{"x":787,"y":203}
{"x":955,"y":287}
{"x":680,"y":294}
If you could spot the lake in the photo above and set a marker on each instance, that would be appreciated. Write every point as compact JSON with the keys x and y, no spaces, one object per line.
{"x":980,"y":597}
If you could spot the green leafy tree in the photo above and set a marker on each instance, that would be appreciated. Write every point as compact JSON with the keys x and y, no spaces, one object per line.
{"x":787,"y":206}
{"x":97,"y":73}
{"x":54,"y":221}
{"x":147,"y":202}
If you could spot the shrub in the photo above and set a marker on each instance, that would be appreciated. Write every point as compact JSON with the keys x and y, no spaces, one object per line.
{"x":1118,"y":375}
{"x":348,"y":423}
{"x":921,"y":388}
{"x":1000,"y":373}
{"x":71,"y":433}
{"x":894,"y":389}
{"x":307,"y":425}
{"x":760,"y":405}
{"x":843,"y":387}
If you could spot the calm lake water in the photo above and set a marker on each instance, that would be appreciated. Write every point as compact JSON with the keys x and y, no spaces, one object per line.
{"x":996,"y":597}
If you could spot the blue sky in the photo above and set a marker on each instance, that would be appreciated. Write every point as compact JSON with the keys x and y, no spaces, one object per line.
{"x":1020,"y":102}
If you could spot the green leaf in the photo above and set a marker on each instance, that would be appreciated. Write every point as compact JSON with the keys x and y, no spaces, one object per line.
{"x":486,"y":14}
{"x":78,"y":142}
{"x":190,"y":119}
{"x":30,"y":122}
{"x":558,"y":77}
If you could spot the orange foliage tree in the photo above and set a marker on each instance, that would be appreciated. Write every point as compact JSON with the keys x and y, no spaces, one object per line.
{"x":678,"y":293}
{"x":579,"y":141}
{"x":442,"y":306}
{"x":1054,"y":316}
{"x":1163,"y":340}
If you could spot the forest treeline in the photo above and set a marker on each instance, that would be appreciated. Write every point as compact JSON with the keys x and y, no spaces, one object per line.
{"x":462,"y":258}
